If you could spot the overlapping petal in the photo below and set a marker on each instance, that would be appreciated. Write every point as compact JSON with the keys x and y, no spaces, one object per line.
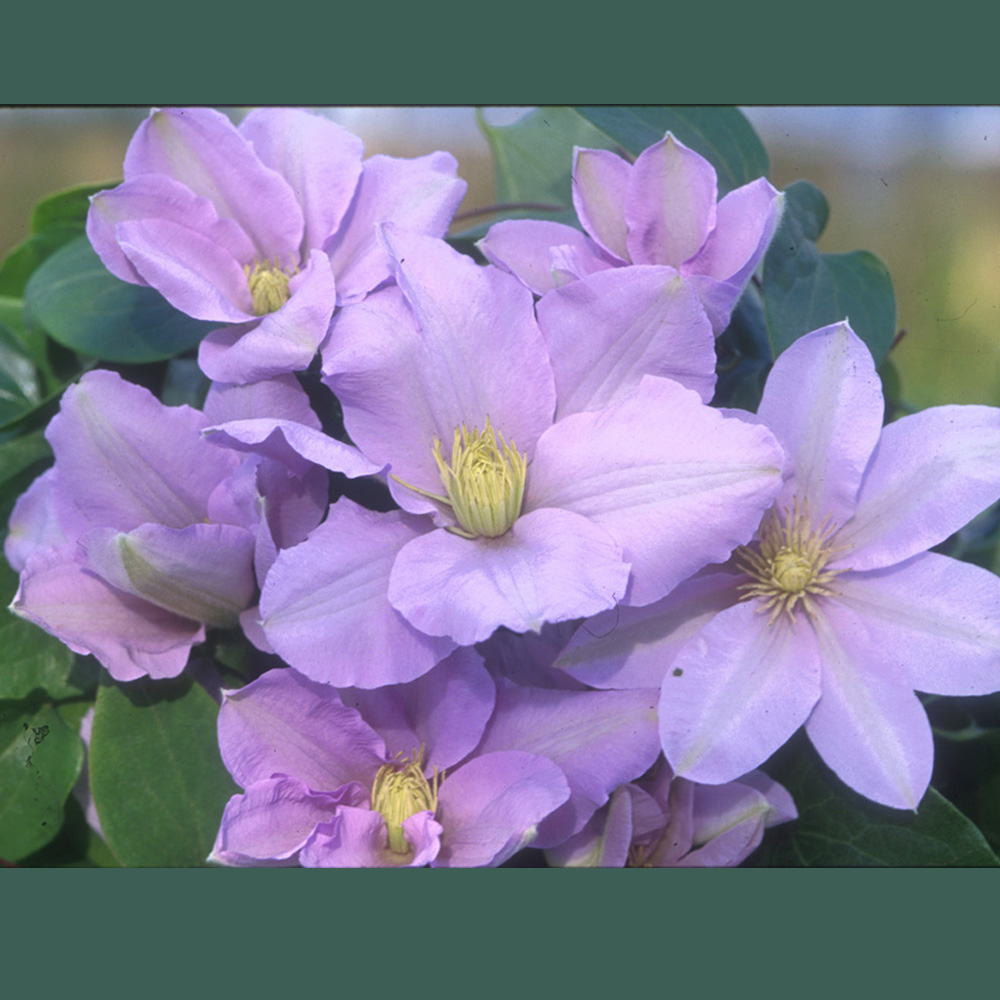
{"x":736,"y":692}
{"x":673,"y":501}
{"x":325,"y":609}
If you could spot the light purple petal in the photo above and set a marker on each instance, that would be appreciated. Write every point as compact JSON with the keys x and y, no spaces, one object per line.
{"x":729,"y":823}
{"x":605,"y":840}
{"x":320,"y":160}
{"x":607,"y":330}
{"x":404,"y":379}
{"x":527,"y":658}
{"x":419,"y":195}
{"x":279,"y":342}
{"x":268,"y":824}
{"x":34,"y":524}
{"x":782,"y":805}
{"x":935,"y":620}
{"x":523,"y":247}
{"x":931,"y":474}
{"x":324,"y":605}
{"x":600,"y":179}
{"x":675,"y":501}
{"x":491,"y":806}
{"x":445,"y":711}
{"x":195,"y":275}
{"x":128,"y":635}
{"x":203,"y":571}
{"x":281,"y":398}
{"x":295,"y":446}
{"x":669,"y":203}
{"x":736,"y":693}
{"x":552,"y":565}
{"x":823,"y":400}
{"x":745,"y":222}
{"x":635,"y":647}
{"x":284,"y":723}
{"x":599,"y":740}
{"x":358,"y":838}
{"x":125,"y":459}
{"x":203,"y":150}
{"x":868,"y":726}
{"x":155,"y":196}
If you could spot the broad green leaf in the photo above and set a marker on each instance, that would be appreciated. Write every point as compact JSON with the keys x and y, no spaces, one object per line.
{"x":839,"y":828}
{"x":86,"y":308}
{"x":77,"y":846}
{"x":68,"y":207}
{"x":744,"y":355}
{"x":722,"y":135}
{"x":32,"y":659}
{"x":21,"y":453}
{"x":19,"y":389}
{"x":40,"y":760}
{"x":805,"y":289}
{"x":156,"y":777}
{"x":19,"y":265}
{"x":533,"y":161}
{"x":32,"y":342}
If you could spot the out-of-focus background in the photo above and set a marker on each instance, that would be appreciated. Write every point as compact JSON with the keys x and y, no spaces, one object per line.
{"x":918,"y":186}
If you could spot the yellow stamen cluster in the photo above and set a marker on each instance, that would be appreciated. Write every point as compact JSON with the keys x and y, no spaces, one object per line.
{"x":786,"y":563}
{"x":268,"y":286}
{"x":484,"y":482}
{"x":400,"y":790}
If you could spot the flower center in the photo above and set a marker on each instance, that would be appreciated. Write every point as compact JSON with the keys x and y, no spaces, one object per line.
{"x":484,"y":481}
{"x":786,"y":564}
{"x":268,"y":286}
{"x":400,"y":790}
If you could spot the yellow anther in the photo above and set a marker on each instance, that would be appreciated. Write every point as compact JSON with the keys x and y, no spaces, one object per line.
{"x":787,"y":563}
{"x":399,"y":791}
{"x":484,"y":481}
{"x":268,"y":286}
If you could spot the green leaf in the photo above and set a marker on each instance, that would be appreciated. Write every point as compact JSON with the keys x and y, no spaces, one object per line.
{"x":19,"y":389}
{"x":33,"y":659}
{"x":156,"y":776}
{"x":19,"y":265}
{"x":722,"y":135}
{"x":68,"y":207}
{"x":839,"y":828}
{"x":805,"y":289}
{"x":40,"y":760}
{"x":533,"y":161}
{"x":86,"y":308}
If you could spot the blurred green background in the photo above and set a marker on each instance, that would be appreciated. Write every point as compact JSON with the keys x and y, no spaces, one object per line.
{"x":919,"y":187}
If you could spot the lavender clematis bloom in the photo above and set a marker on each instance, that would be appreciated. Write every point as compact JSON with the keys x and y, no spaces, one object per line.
{"x":837,"y":612}
{"x":445,"y":770}
{"x":668,"y":822}
{"x":663,"y":210}
{"x":265,"y":227}
{"x":448,"y":380}
{"x":143,"y":533}
{"x":390,"y":785}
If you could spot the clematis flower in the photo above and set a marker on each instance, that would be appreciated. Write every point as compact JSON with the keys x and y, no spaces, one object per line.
{"x":447,"y":379}
{"x":435,"y":772}
{"x":143,"y":533}
{"x":668,"y":822}
{"x":662,"y":209}
{"x":837,"y":612}
{"x":265,"y":227}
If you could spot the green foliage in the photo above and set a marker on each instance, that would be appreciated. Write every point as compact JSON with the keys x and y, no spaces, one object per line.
{"x":156,"y":777}
{"x":33,"y":659}
{"x":839,"y":828}
{"x":40,"y":760}
{"x":805,"y":289}
{"x":83,"y":306}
